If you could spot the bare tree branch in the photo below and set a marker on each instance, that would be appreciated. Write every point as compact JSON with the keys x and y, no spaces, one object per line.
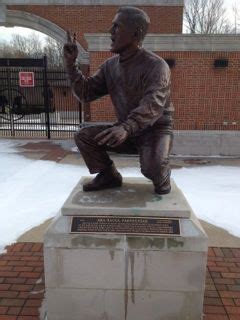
{"x":236,"y":15}
{"x":53,"y":51}
{"x":206,"y":16}
{"x":32,"y":47}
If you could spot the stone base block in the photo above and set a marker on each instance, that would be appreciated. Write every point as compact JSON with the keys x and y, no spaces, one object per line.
{"x":123,"y":304}
{"x":125,"y":277}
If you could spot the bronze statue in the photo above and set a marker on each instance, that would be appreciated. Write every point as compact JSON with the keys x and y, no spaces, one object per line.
{"x":138,"y":82}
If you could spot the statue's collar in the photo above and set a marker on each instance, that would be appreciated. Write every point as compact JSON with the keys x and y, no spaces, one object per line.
{"x":132,"y":55}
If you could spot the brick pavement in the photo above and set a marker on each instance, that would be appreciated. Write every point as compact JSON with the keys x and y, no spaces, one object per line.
{"x":222,"y":294}
{"x":22,"y":283}
{"x":51,"y":151}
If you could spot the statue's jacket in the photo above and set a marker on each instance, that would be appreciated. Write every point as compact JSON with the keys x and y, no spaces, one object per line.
{"x":138,"y":86}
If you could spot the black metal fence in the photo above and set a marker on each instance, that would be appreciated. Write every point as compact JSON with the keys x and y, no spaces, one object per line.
{"x":36,"y":101}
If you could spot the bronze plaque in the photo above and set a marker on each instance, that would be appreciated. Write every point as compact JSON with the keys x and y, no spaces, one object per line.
{"x":126,"y":225}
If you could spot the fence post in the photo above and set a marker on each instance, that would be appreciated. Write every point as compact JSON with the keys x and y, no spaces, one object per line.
{"x":46,"y":96}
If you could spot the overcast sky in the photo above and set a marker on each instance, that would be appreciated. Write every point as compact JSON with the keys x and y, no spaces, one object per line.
{"x":228,"y":5}
{"x":5,"y":33}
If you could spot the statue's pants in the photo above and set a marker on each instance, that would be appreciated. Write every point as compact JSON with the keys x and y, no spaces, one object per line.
{"x":153,"y":146}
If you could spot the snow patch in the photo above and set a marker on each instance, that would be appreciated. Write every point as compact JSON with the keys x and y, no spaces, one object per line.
{"x":32,"y":191}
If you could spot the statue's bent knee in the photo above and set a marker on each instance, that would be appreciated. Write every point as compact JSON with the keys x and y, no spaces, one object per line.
{"x":82,"y":134}
{"x":155,"y":171}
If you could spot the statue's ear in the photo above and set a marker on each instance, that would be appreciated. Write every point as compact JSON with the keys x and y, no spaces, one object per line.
{"x":139,"y":34}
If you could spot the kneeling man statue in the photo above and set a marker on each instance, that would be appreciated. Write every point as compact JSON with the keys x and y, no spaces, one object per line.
{"x":138,"y":82}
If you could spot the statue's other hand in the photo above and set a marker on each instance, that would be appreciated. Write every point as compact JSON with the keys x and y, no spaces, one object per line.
{"x":112,"y":137}
{"x":70,"y":50}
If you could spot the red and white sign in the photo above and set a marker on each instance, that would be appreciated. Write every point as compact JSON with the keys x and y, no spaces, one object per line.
{"x":26,"y":79}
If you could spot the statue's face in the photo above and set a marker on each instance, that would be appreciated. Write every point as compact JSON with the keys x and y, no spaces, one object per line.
{"x":122,"y":35}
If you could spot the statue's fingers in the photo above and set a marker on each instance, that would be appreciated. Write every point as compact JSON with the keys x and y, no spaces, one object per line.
{"x":106,"y":139}
{"x":74,"y":38}
{"x":118,"y":140}
{"x":100,"y":135}
{"x":115,"y":144}
{"x":69,"y":39}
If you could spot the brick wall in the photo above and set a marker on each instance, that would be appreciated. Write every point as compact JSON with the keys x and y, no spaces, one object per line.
{"x":204,"y":97}
{"x":95,"y":19}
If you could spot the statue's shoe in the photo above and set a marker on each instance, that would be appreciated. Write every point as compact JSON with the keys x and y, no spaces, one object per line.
{"x":160,"y":190}
{"x":104,"y":180}
{"x":163,"y":188}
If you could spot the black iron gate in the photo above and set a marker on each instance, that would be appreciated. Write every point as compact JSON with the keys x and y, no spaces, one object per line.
{"x":36,"y":101}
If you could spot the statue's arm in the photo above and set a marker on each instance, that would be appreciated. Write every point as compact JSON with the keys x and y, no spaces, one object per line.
{"x":85,"y":88}
{"x":156,"y":98}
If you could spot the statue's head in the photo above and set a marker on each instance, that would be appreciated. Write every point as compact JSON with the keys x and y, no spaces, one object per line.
{"x":128,"y":29}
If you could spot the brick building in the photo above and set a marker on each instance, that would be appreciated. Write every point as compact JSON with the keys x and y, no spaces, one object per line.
{"x":205,"y":69}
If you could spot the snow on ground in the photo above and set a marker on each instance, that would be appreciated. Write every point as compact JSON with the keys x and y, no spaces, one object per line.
{"x":213,"y":193}
{"x":31,"y":191}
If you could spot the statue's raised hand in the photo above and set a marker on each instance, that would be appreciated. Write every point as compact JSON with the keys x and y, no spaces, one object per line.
{"x":70,"y":50}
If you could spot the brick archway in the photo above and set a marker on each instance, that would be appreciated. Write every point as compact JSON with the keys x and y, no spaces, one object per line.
{"x":32,"y":21}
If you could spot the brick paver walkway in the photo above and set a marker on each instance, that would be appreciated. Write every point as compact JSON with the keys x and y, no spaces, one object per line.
{"x":22,"y":283}
{"x":222,"y":294}
{"x":51,"y":151}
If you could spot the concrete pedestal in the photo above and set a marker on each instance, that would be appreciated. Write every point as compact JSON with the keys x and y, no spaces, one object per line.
{"x":125,"y":277}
